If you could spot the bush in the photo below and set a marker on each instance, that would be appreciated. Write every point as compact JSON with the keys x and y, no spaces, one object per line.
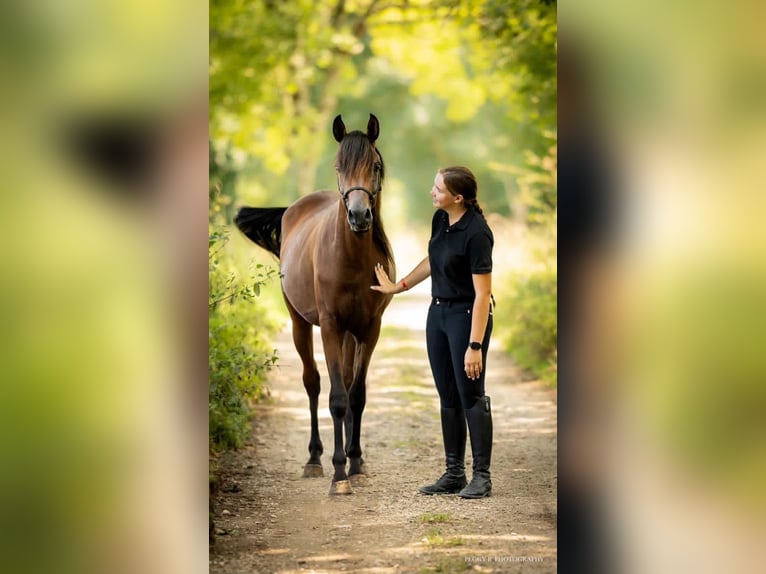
{"x":526,"y":321}
{"x":239,"y":352}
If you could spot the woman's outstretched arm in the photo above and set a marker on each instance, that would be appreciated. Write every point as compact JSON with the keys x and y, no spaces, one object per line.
{"x":421,"y":272}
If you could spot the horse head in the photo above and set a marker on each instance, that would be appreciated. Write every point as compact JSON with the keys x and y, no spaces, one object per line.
{"x":359,"y":166}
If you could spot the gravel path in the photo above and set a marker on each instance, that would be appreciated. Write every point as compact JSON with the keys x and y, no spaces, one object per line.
{"x":270,"y":519}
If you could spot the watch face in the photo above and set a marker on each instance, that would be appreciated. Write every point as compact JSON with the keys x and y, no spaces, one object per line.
{"x":475,"y":346}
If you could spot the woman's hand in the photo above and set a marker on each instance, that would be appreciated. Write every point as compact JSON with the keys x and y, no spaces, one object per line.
{"x":472,"y":363}
{"x":386,"y":285}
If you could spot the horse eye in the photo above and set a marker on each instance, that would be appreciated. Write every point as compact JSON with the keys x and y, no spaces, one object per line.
{"x":378,"y":167}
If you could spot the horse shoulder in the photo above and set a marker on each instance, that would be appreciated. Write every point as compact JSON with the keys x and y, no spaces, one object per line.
{"x":308,"y":207}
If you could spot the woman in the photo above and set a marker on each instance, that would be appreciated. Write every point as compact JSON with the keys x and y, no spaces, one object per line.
{"x":459,"y":325}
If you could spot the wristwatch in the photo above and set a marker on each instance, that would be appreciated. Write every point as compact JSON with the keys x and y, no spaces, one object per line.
{"x":475,"y":345}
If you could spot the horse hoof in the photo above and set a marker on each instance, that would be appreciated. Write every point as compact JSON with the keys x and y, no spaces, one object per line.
{"x":358,"y":480}
{"x":313,"y":471}
{"x":341,"y":487}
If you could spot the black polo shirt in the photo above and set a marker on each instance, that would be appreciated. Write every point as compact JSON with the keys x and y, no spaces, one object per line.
{"x":456,"y":252}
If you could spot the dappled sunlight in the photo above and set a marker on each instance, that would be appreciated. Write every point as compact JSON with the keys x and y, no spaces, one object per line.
{"x":326,"y":558}
{"x":527,"y":431}
{"x":420,"y":385}
{"x":530,"y":406}
{"x":418,"y":390}
{"x":410,"y":311}
{"x":299,"y":393}
{"x":413,"y":345}
{"x":413,"y":368}
{"x":400,"y":432}
{"x":297,"y":413}
{"x":524,"y":420}
{"x":501,"y":372}
{"x":273,"y":551}
{"x":511,"y":424}
{"x":400,"y":382}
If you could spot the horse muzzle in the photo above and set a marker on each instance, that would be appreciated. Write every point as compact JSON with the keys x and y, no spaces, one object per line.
{"x":360,"y":221}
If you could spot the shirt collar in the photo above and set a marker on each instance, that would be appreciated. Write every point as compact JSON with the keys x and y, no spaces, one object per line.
{"x":462,"y":223}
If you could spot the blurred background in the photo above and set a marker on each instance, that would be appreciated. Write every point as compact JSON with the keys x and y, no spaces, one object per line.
{"x":103,"y":163}
{"x":662,"y":135}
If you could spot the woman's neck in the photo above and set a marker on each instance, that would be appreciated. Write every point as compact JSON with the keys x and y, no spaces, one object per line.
{"x":455,"y":213}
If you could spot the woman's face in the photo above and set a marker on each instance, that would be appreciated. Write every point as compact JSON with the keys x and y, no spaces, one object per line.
{"x":441,"y":197}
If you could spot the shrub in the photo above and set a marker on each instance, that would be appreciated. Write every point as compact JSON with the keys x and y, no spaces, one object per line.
{"x":239,"y":353}
{"x":526,"y":321}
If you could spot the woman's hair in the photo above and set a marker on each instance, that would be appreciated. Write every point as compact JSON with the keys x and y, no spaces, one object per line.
{"x":460,"y":180}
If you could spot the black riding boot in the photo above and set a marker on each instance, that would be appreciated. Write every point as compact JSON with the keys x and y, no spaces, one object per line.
{"x":454,"y":434}
{"x":479,"y":419}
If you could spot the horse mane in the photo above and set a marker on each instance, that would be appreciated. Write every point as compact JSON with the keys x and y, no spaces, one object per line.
{"x":357,"y":153}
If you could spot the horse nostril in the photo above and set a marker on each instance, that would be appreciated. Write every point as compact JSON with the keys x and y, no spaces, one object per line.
{"x":360,"y":219}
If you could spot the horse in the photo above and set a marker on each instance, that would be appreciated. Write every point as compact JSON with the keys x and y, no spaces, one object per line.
{"x":327,"y":243}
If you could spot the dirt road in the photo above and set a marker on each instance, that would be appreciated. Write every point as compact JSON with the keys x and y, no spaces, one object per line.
{"x":270,"y":519}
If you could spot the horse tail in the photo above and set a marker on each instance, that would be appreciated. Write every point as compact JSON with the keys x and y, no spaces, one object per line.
{"x":262,"y":225}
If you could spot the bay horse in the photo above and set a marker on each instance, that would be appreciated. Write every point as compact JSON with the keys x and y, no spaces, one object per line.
{"x":328,"y":244}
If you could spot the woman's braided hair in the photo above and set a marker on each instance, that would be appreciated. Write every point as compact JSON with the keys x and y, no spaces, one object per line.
{"x":460,"y":180}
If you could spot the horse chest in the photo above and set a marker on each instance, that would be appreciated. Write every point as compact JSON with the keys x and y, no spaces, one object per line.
{"x":352,"y":306}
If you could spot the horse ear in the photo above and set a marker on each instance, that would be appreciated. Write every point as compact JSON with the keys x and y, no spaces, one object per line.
{"x":338,"y":128}
{"x":373,"y":128}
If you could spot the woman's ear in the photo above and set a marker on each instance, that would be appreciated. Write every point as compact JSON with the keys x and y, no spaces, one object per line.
{"x":459,"y":199}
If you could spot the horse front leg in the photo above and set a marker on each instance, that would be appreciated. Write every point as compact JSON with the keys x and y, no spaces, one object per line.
{"x":349,"y":353}
{"x":357,"y":401}
{"x":357,"y":398}
{"x":304,"y":344}
{"x":333,"y":349}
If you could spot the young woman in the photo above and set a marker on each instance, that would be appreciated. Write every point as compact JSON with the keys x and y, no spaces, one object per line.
{"x":459,"y":325}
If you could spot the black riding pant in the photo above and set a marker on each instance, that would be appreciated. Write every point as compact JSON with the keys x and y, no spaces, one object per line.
{"x":448,"y":330}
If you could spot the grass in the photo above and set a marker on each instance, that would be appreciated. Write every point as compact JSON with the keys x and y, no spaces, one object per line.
{"x":410,"y":397}
{"x":434,"y":538}
{"x":401,"y":343}
{"x":434,"y":517}
{"x":397,"y":333}
{"x":452,"y":565}
{"x":406,"y":443}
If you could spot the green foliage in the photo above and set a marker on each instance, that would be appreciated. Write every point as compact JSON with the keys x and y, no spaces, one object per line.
{"x":433,"y":517}
{"x":238,"y":350}
{"x":227,"y":288}
{"x":239,"y":326}
{"x":450,"y":565}
{"x":434,"y":538}
{"x":519,"y":38}
{"x":526,"y":320}
{"x":453,"y":81}
{"x":235,"y":378}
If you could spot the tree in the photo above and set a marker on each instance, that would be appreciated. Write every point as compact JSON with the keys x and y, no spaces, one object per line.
{"x":277,"y":73}
{"x":468,"y":80}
